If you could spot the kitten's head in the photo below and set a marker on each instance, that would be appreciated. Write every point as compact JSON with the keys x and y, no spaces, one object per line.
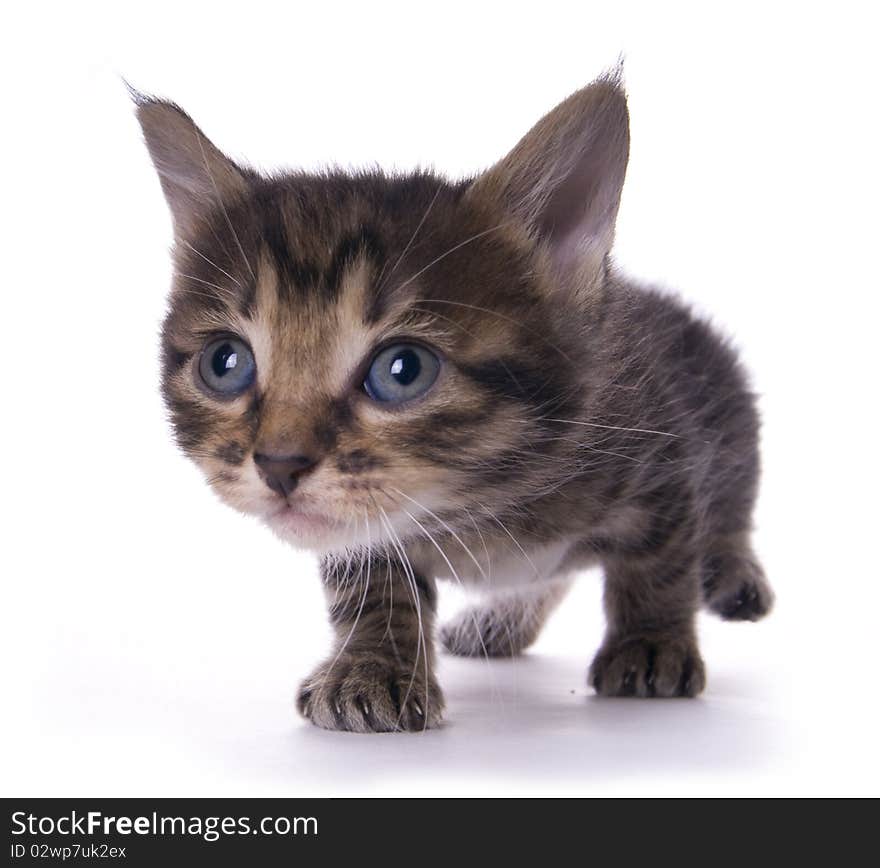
{"x":359,"y":356}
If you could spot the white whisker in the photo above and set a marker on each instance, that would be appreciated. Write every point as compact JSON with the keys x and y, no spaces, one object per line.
{"x":452,"y":569}
{"x":449,"y":252}
{"x":454,"y":535}
{"x":211,"y":262}
{"x":360,"y":610}
{"x":495,"y":313}
{"x":608,"y":427}
{"x":417,"y":230}
{"x":516,"y":542}
{"x":217,"y":286}
{"x":222,"y":206}
{"x":421,"y":643}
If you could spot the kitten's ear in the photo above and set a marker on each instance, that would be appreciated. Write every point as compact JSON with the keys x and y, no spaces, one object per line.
{"x":565,"y":176}
{"x":195,"y":175}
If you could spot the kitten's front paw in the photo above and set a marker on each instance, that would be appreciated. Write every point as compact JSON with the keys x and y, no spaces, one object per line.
{"x":648,"y":666}
{"x":371,"y":694}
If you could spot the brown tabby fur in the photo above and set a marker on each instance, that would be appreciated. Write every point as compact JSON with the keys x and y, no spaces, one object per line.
{"x":577,"y":418}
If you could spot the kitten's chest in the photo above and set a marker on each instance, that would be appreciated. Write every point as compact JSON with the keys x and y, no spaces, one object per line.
{"x":488,"y":562}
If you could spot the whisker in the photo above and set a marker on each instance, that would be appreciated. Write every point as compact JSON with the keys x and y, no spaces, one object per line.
{"x":454,"y":535}
{"x":467,"y":512}
{"x":389,"y":584}
{"x":421,"y":644}
{"x":516,"y":542}
{"x":461,"y":585}
{"x":211,"y":262}
{"x":413,"y":238}
{"x":499,"y":315}
{"x":469,"y":333}
{"x":344,"y":645}
{"x":197,"y":293}
{"x":222,"y":206}
{"x":452,"y":569}
{"x":452,"y":250}
{"x":223,"y":289}
{"x":608,"y":427}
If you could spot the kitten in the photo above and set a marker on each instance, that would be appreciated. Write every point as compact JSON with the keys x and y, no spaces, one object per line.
{"x":423,"y":379}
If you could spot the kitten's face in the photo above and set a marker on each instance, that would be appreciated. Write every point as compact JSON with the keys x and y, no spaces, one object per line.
{"x":359,"y":357}
{"x":345,"y":357}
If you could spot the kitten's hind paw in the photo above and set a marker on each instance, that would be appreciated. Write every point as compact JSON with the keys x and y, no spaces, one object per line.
{"x":505,"y":624}
{"x":735,"y":588}
{"x":370,"y":694}
{"x":485,"y":632}
{"x":647,"y":667}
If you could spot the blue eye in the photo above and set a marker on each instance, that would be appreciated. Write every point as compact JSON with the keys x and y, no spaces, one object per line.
{"x":400,"y":373}
{"x":227,"y":366}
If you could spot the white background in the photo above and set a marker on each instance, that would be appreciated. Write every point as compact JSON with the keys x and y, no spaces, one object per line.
{"x":152,"y":640}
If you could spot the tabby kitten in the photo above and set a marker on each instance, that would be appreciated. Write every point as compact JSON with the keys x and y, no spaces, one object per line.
{"x":423,"y":379}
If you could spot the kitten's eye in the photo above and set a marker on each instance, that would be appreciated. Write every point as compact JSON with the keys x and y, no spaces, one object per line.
{"x":400,"y":373}
{"x":227,"y":366}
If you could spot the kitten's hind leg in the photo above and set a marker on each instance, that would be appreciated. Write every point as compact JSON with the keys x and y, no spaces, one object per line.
{"x":505,"y":624}
{"x":734,"y":585}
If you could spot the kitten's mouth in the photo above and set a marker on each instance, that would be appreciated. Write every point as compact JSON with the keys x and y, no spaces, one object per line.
{"x":293,"y":520}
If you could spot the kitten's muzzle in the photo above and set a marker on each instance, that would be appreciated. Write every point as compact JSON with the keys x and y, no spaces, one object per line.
{"x":282,"y":472}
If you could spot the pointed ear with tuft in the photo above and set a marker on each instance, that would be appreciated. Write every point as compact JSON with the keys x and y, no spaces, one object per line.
{"x":565,"y":177}
{"x":196,"y":177}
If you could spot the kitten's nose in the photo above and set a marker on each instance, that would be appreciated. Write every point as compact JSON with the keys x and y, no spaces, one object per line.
{"x":282,"y":472}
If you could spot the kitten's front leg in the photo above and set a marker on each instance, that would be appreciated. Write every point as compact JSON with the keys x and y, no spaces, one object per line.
{"x":651,"y":598}
{"x":380,"y":676}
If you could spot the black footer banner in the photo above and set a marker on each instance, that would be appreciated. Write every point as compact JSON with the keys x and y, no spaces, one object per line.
{"x":265,"y":832}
